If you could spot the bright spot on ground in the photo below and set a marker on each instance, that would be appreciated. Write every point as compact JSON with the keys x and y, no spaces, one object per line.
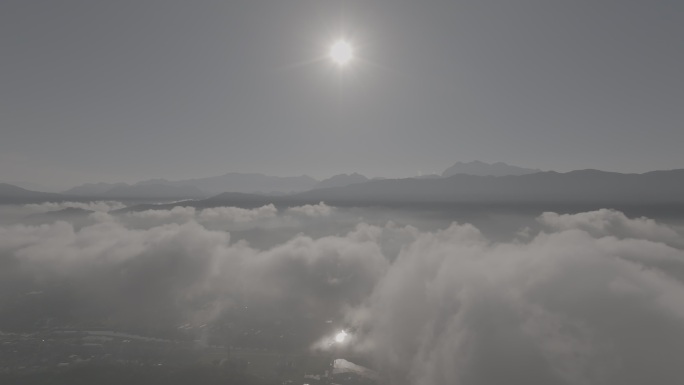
{"x":340,"y":337}
{"x":341,"y":53}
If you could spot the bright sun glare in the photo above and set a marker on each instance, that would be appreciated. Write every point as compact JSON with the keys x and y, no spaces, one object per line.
{"x":340,"y":337}
{"x":341,"y":53}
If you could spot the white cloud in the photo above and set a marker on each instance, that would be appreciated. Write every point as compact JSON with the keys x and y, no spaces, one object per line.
{"x":236,"y":214}
{"x":99,"y":206}
{"x":212,"y":217}
{"x":607,"y":222}
{"x":13,"y":214}
{"x":598,"y":298}
{"x":565,"y":307}
{"x":319,"y":210}
{"x":178,"y":213}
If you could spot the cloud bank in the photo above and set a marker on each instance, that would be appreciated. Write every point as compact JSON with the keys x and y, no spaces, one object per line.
{"x":99,"y":206}
{"x":593,"y":298}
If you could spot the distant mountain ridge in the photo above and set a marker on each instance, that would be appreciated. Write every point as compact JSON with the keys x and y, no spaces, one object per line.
{"x":136,"y":191}
{"x":244,"y":182}
{"x":17,"y":195}
{"x":485,"y":169}
{"x":254,"y":183}
{"x":549,"y":186}
{"x":154,"y":191}
{"x":341,"y":180}
{"x":572,"y":187}
{"x":93,"y":189}
{"x":197,"y":188}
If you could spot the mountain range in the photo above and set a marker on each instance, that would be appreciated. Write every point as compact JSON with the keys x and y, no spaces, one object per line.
{"x":485,"y":169}
{"x":253,"y":183}
{"x":341,"y":180}
{"x":197,"y":188}
{"x":516,"y":185}
{"x":580,"y":186}
{"x":10,"y":194}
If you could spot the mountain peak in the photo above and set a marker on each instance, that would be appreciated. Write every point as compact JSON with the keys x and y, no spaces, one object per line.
{"x":480,"y":168}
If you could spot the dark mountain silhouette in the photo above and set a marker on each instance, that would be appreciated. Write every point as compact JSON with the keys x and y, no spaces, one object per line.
{"x":10,"y":194}
{"x":153,"y":191}
{"x":428,"y":176}
{"x":93,"y":189}
{"x":608,"y":188}
{"x":7,"y":189}
{"x":17,"y":195}
{"x":341,"y":180}
{"x":196,"y":188}
{"x":33,"y":186}
{"x":259,"y":183}
{"x":242,"y":182}
{"x":486,"y":169}
{"x":584,"y":186}
{"x":574,"y":186}
{"x":69,"y":214}
{"x":144,"y":191}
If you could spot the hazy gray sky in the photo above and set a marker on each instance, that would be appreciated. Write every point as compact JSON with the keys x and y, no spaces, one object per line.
{"x":128,"y":90}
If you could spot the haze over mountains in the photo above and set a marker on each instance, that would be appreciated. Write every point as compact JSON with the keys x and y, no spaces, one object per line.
{"x":17,"y":195}
{"x":478,"y":182}
{"x":485,"y":169}
{"x":583,"y":186}
{"x":198,"y":188}
{"x":202,"y":187}
{"x":341,"y":180}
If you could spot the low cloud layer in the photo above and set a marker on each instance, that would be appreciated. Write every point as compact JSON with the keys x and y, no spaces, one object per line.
{"x":592,"y":298}
{"x":227,"y":218}
{"x":566,"y":307}
{"x":606,"y":222}
{"x":99,"y":206}
{"x":10,"y":214}
{"x":218,"y":214}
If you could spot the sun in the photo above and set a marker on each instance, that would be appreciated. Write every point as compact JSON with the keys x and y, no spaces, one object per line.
{"x":341,"y":53}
